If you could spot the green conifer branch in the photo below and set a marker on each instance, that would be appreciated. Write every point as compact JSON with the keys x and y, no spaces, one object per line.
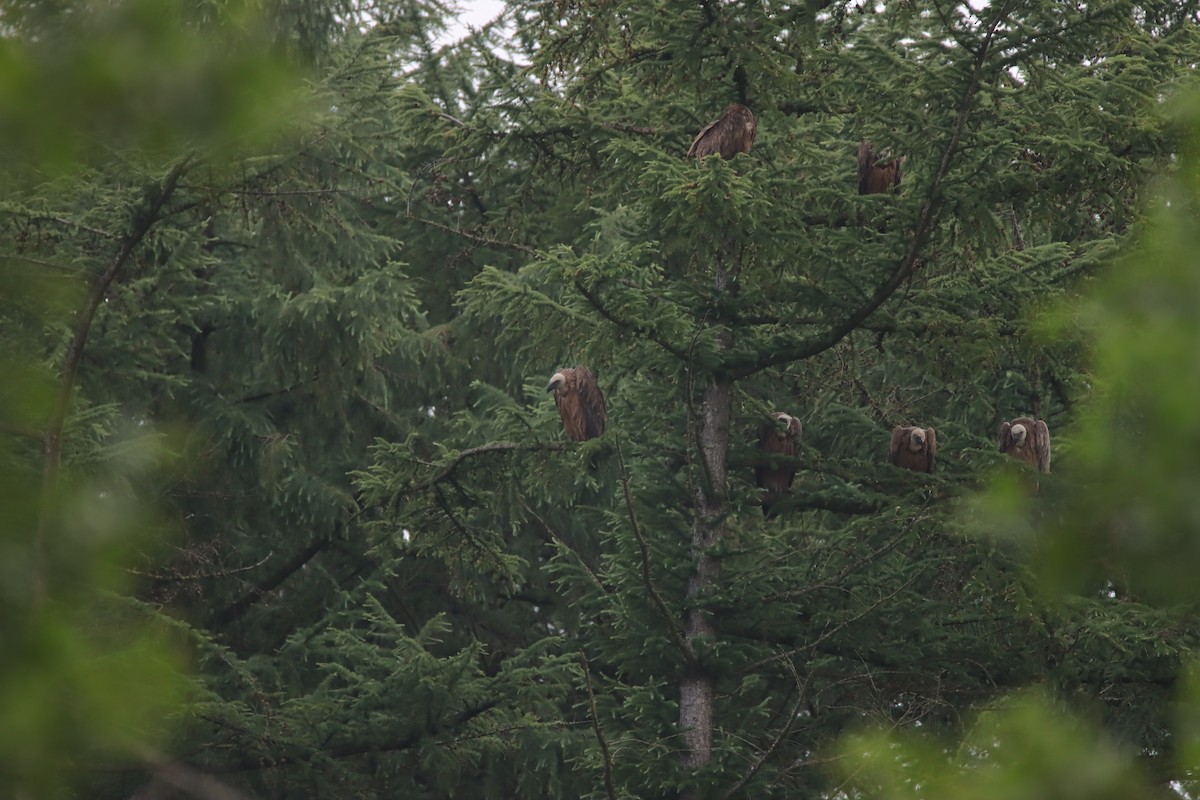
{"x":605,"y":751}
{"x":595,"y":302}
{"x":448,"y":468}
{"x":790,"y":718}
{"x":155,"y":196}
{"x":910,"y":262}
{"x":664,"y":611}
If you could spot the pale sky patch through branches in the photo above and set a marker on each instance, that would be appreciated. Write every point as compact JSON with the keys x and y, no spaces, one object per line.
{"x":472,"y":14}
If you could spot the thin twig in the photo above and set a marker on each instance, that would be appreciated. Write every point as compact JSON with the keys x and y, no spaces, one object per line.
{"x":471,"y":452}
{"x":829,"y":632}
{"x":200,"y":576}
{"x":801,"y":690}
{"x":609,"y":785}
{"x":677,"y":636}
{"x":474,"y":237}
{"x":623,"y":127}
{"x":68,"y":271}
{"x":594,"y":301}
{"x":850,"y":568}
{"x":563,"y":544}
{"x":235,"y":610}
{"x":71,"y":224}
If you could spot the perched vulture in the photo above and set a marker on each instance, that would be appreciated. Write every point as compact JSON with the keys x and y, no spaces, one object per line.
{"x":913,"y":448}
{"x":1028,"y":441}
{"x":874,"y":175}
{"x":733,"y":133}
{"x":580,"y":403}
{"x":778,"y":437}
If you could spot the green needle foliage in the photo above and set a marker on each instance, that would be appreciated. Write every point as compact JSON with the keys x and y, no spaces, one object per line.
{"x":328,"y":263}
{"x":1111,"y":539}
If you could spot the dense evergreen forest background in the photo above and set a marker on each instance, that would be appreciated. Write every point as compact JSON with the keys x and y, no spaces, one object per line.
{"x":289,"y":513}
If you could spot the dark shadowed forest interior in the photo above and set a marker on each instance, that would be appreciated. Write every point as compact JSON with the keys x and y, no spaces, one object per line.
{"x":622,"y":399}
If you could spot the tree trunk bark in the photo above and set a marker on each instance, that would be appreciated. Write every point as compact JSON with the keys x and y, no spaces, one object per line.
{"x":709,"y":526}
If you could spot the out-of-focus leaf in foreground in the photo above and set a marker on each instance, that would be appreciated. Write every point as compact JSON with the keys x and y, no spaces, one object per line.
{"x":1023,"y":749}
{"x":81,"y":80}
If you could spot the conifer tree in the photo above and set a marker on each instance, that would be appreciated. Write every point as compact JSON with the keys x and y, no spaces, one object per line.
{"x":394,"y":574}
{"x":1084,"y":539}
{"x":723,"y":652}
{"x":243,"y":295}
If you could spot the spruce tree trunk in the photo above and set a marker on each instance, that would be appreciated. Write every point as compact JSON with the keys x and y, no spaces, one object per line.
{"x":711,"y":501}
{"x":696,"y":689}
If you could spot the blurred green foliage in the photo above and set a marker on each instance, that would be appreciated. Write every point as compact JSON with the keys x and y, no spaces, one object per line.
{"x":1130,"y":513}
{"x":1022,"y":749}
{"x":83,"y":674}
{"x":87,"y":677}
{"x":80,"y":80}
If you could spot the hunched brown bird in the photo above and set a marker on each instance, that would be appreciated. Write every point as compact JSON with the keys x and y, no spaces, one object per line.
{"x":780,"y":436}
{"x":913,"y":448}
{"x":876,"y":176}
{"x":733,"y":133}
{"x":580,"y":403}
{"x":1027,"y":440}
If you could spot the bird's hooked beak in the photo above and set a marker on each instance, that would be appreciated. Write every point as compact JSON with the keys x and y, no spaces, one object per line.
{"x":555,"y":381}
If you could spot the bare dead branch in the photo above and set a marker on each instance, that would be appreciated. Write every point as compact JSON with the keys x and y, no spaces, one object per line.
{"x":198,"y":576}
{"x":71,"y":223}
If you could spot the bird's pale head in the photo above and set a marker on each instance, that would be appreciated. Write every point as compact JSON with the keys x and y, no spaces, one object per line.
{"x":787,"y":425}
{"x":916,"y":440}
{"x":1018,"y":434}
{"x":556,"y":380}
